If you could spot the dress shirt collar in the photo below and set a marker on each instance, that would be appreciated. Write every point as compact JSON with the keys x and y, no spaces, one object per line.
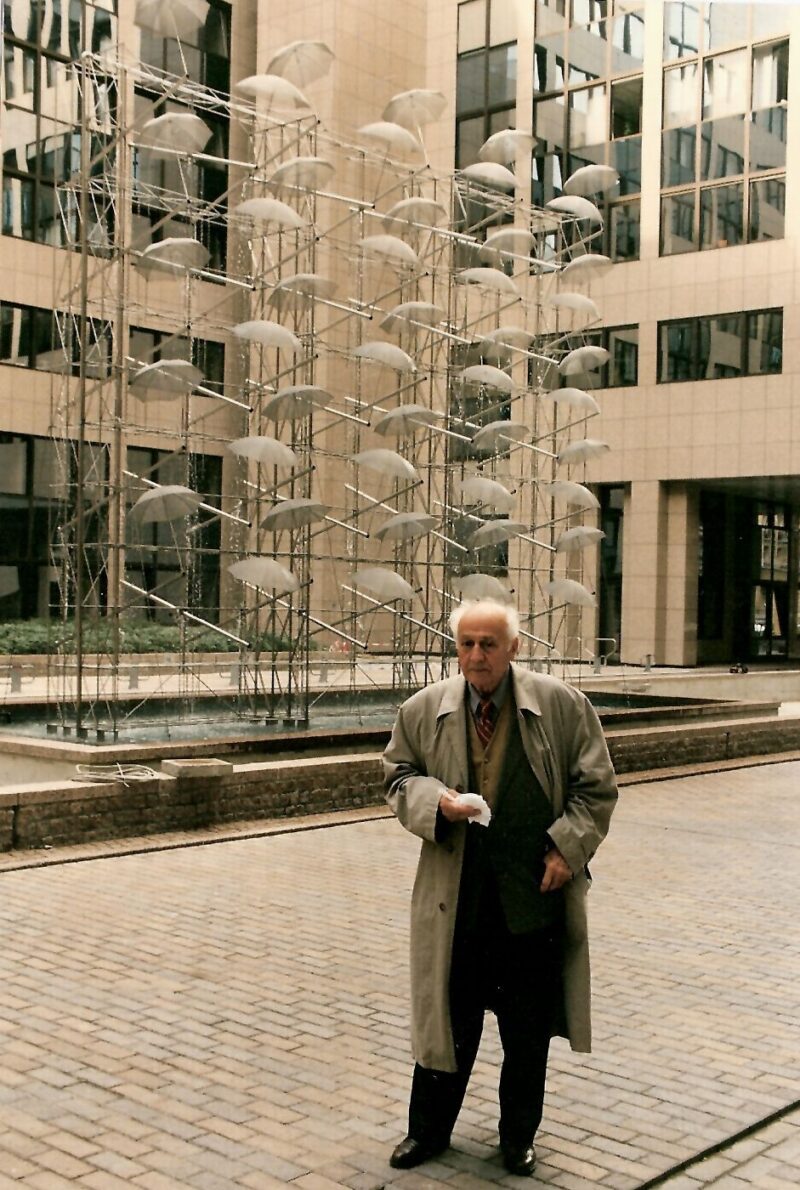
{"x":497,"y":696}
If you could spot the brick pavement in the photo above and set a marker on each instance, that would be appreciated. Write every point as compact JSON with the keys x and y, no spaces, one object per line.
{"x":236,"y":1014}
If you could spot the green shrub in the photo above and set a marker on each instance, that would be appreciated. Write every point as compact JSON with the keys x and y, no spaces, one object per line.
{"x":136,"y":636}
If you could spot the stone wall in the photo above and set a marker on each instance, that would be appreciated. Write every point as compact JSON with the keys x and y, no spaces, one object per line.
{"x":191,"y":794}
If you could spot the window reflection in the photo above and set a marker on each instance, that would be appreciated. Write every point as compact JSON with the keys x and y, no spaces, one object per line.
{"x":721,"y":148}
{"x":677,"y":224}
{"x":681,"y":29}
{"x":721,"y":346}
{"x":767,"y":209}
{"x":678,"y":156}
{"x":680,"y":95}
{"x":587,"y":116}
{"x":627,"y":42}
{"x":721,"y":216}
{"x":725,"y":84}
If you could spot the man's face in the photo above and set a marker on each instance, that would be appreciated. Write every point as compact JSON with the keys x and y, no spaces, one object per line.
{"x":484,"y":650}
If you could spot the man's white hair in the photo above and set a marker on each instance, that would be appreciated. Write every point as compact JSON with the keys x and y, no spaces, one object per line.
{"x":487,"y":607}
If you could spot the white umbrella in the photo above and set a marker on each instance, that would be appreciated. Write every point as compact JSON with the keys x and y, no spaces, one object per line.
{"x":300,"y":291}
{"x":276,"y":93}
{"x":489,"y":173}
{"x":478,"y":489}
{"x":175,"y":255}
{"x":392,"y":138}
{"x":583,"y":359}
{"x":301,"y":62}
{"x":387,"y":462}
{"x":426,"y":212}
{"x":404,"y":316}
{"x":577,"y":207}
{"x":269,"y":210}
{"x":415,"y":107}
{"x":506,"y":243}
{"x":391,"y":248}
{"x":171,"y":18}
{"x":578,"y":303}
{"x":493,"y":532}
{"x":578,"y":539}
{"x":266,"y":450}
{"x":576,"y":398}
{"x":567,"y":590}
{"x":405,"y":421}
{"x":405,"y":525}
{"x":293,"y":514}
{"x":497,"y":354}
{"x":498,"y":433}
{"x":170,"y":502}
{"x":564,"y":491}
{"x":587,"y":267}
{"x":268,"y":334}
{"x":385,"y":584}
{"x":511,"y":336}
{"x":486,"y":278}
{"x":379,"y":352}
{"x":481,"y":586}
{"x":591,"y":179}
{"x":165,"y":379}
{"x":488,"y":377}
{"x":182,"y":132}
{"x":296,"y":401}
{"x":301,"y":173}
{"x":504,"y":146}
{"x":579,"y":452}
{"x":266,"y":574}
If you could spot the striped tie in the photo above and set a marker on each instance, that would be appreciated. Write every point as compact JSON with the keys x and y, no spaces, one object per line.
{"x":484,"y":721}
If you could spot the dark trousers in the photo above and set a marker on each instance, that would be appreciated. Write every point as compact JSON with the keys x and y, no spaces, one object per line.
{"x":517,"y":976}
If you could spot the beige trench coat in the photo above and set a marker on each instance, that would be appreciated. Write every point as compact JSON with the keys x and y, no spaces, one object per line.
{"x":565,"y":747}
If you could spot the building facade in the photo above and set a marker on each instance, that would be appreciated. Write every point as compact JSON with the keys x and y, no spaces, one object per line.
{"x":689,"y":102}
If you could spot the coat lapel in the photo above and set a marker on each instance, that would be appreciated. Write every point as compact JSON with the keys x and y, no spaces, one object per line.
{"x":534,"y":741}
{"x":452,"y":764}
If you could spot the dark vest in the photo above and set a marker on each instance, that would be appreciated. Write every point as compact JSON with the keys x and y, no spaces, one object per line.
{"x":504,"y":862}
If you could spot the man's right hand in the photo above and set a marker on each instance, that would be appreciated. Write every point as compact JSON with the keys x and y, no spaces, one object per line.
{"x":454,"y":810}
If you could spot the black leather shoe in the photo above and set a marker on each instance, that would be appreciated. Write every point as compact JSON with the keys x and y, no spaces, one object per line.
{"x":411,"y":1152}
{"x":520,"y":1161}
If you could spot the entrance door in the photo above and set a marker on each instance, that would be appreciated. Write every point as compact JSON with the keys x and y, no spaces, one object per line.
{"x":770,"y":592}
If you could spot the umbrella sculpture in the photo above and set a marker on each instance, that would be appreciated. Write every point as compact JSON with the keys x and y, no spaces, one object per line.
{"x":266,"y":574}
{"x":392,"y":138}
{"x":574,"y":494}
{"x":175,"y":255}
{"x":301,"y":173}
{"x":580,"y":451}
{"x":179,"y":132}
{"x":568,"y":590}
{"x":388,"y":354}
{"x":277,"y":93}
{"x":493,"y":532}
{"x":165,"y":380}
{"x":487,"y":376}
{"x":583,"y":359}
{"x":415,"y":107}
{"x":384,"y":584}
{"x":392,"y":249}
{"x":489,"y":173}
{"x":578,"y":538}
{"x":300,"y":291}
{"x":263,"y":449}
{"x":268,"y":334}
{"x":170,"y":502}
{"x":294,"y":514}
{"x":171,"y":18}
{"x":576,"y":398}
{"x":481,"y":586}
{"x":405,"y":421}
{"x":503,"y":146}
{"x":269,"y":210}
{"x":298,"y":400}
{"x":491,"y":279}
{"x":405,"y":525}
{"x":577,"y":207}
{"x":301,"y":62}
{"x":591,"y":179}
{"x":386,"y":462}
{"x":489,"y":493}
{"x":422,"y":213}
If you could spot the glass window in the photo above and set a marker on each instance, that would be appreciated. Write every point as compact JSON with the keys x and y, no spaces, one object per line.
{"x":627,"y":42}
{"x":548,"y":175}
{"x":470,"y":135}
{"x":15,"y":335}
{"x":769,"y":19}
{"x":765,"y":342}
{"x":725,"y":24}
{"x":470,"y":81}
{"x":770,"y":74}
{"x":626,"y":157}
{"x":624,"y":231}
{"x":623,"y":364}
{"x":588,"y":121}
{"x":471,"y":25}
{"x":502,"y":82}
{"x":587,"y":53}
{"x":768,"y":139}
{"x":721,"y":216}
{"x":721,"y":347}
{"x":503,"y":21}
{"x":722,"y":148}
{"x":767,"y":209}
{"x":725,"y":81}
{"x":677,"y":224}
{"x":682,"y":30}
{"x":549,"y":123}
{"x":677,"y":351}
{"x":626,"y":107}
{"x":548,"y":63}
{"x":678,"y":147}
{"x":680,"y":95}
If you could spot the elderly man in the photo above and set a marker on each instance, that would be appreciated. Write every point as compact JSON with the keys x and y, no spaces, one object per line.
{"x":498,"y":912}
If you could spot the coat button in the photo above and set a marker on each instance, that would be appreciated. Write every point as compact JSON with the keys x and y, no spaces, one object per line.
{"x":442,"y":906}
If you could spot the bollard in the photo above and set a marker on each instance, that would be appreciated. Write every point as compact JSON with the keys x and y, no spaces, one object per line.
{"x":133,"y":677}
{"x":16,"y":679}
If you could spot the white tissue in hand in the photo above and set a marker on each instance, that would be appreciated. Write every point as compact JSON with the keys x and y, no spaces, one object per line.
{"x":475,"y":799}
